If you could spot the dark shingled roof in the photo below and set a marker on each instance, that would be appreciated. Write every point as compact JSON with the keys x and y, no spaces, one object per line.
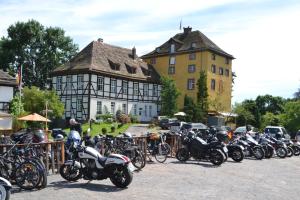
{"x":109,"y":60}
{"x":6,"y":79}
{"x":183,"y":43}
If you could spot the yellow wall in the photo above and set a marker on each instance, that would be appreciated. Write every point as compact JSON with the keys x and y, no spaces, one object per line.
{"x":203,"y":61}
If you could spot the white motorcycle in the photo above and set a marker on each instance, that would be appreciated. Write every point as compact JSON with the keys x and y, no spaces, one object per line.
{"x":5,"y":188}
{"x":89,"y":164}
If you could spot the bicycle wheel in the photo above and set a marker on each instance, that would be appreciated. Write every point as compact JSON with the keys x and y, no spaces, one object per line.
{"x":161,"y":153}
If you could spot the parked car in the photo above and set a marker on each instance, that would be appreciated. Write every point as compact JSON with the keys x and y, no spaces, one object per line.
{"x":242,"y":129}
{"x":165,"y":123}
{"x":276,"y":131}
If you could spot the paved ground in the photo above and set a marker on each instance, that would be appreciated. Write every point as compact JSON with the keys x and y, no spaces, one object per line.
{"x":267,"y":179}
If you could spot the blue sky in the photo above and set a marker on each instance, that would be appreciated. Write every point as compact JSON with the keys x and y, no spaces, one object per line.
{"x":263,"y":35}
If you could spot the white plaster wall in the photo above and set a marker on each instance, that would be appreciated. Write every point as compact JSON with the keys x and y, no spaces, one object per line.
{"x":6,"y":93}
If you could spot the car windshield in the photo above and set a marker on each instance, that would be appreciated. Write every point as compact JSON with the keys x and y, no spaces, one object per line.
{"x":272,"y":130}
{"x":284,"y":131}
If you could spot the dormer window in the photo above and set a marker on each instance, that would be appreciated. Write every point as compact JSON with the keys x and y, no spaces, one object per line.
{"x":193,"y":45}
{"x":114,"y":66}
{"x":145,"y":71}
{"x":130,"y":69}
{"x":172,"y":48}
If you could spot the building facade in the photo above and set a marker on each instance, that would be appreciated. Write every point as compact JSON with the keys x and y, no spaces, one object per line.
{"x":104,"y":79}
{"x":182,"y":58}
{"x":7,"y":85}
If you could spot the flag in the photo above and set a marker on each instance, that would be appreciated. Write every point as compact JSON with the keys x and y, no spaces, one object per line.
{"x":180,"y":24}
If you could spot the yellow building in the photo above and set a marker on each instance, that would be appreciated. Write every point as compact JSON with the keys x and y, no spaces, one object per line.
{"x":182,"y":58}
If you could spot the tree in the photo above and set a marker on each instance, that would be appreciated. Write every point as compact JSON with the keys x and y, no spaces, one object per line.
{"x":37,"y":49}
{"x":269,"y":119}
{"x":244,"y":116}
{"x":290,"y":118}
{"x":297,"y":94}
{"x":34,"y":101}
{"x":188,"y":108}
{"x":202,"y":98}
{"x":269,"y":103}
{"x":169,"y":95}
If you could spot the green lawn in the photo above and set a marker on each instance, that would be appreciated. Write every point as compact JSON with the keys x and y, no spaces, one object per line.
{"x":97,"y":128}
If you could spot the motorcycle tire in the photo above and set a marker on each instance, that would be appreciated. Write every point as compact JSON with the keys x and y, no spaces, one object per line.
{"x":258,"y":153}
{"x":73,"y":176}
{"x":237,"y":155}
{"x":281,"y":152}
{"x":296,"y":150}
{"x":216,"y":157}
{"x":27,"y":173}
{"x":182,"y":154}
{"x":290,"y":152}
{"x":269,"y":151}
{"x":121,"y":177}
{"x":139,"y":161}
{"x":4,"y":194}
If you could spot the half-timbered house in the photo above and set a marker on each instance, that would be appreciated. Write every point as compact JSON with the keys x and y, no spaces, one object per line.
{"x":103,"y":78}
{"x":7,"y":85}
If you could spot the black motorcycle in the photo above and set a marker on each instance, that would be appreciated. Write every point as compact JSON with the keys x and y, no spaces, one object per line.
{"x":198,"y":149}
{"x":266,"y":144}
{"x":252,"y":148}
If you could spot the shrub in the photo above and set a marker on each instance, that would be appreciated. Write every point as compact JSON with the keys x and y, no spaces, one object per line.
{"x":134,"y":118}
{"x":112,"y":129}
{"x":120,"y":125}
{"x":124,"y":119}
{"x":104,"y":131}
{"x":118,"y":115}
{"x":104,"y":117}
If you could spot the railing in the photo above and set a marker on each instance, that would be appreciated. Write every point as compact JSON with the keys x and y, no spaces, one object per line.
{"x":53,"y":153}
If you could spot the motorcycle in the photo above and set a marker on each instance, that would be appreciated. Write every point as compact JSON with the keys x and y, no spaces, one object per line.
{"x":266,"y":144}
{"x":5,"y":187}
{"x":252,"y":148}
{"x":197,"y":148}
{"x":89,"y":164}
{"x":279,"y":146}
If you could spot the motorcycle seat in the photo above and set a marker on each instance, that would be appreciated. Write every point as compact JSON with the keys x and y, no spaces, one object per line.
{"x":102,"y":160}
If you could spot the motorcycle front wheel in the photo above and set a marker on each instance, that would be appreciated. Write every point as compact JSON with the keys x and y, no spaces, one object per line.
{"x":281,"y":152}
{"x":216,"y":157}
{"x":290,"y":152}
{"x":4,"y":194}
{"x":121,"y":177}
{"x":269,"y":151}
{"x":27,"y":176}
{"x":258,"y":153}
{"x":296,"y":150}
{"x":237,"y":155}
{"x":182,"y":154}
{"x":70,"y":173}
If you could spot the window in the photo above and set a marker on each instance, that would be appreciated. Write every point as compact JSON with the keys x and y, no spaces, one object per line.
{"x":172,"y":49}
{"x":135,"y":89}
{"x":153,"y":61}
{"x":113,"y":65}
{"x":171,"y":70}
{"x":150,"y":111}
{"x":213,"y":56}
{"x":191,"y":84}
{"x":193,"y":45}
{"x":135,"y":109}
{"x":69,"y":82}
{"x":124,"y":108}
{"x":125,"y":87}
{"x":146,"y":89}
{"x":154,"y":91}
{"x":146,"y":110}
{"x":99,"y":107}
{"x":79,"y":104}
{"x":100,"y":83}
{"x":191,"y":68}
{"x":213,"y":84}
{"x":227,"y":72}
{"x":213,"y":69}
{"x":58,"y":83}
{"x":113,"y":86}
{"x":130,"y":69}
{"x":221,"y":88}
{"x":221,"y":70}
{"x":80,"y":82}
{"x":172,"y":60}
{"x":112,"y":107}
{"x":227,"y":60}
{"x":192,"y":56}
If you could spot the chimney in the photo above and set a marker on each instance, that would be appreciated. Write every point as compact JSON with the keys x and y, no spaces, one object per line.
{"x":187,"y":30}
{"x":100,"y":40}
{"x":134,"y":53}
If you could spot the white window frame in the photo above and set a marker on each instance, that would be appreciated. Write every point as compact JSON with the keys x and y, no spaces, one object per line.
{"x":134,"y":109}
{"x":150,"y":110}
{"x":125,"y":87}
{"x":146,"y":89}
{"x":191,"y":84}
{"x":191,"y":68}
{"x":58,"y":83}
{"x":79,"y":105}
{"x":80,"y":84}
{"x":99,"y":107}
{"x":172,"y":48}
{"x":113,"y":85}
{"x":171,"y":69}
{"x":100,"y":83}
{"x":124,"y":108}
{"x":112,"y":107}
{"x":69,"y":82}
{"x":155,"y":90}
{"x":135,"y":89}
{"x":172,"y":60}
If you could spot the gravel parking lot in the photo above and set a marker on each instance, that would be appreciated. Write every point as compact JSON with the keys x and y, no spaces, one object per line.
{"x":251,"y":179}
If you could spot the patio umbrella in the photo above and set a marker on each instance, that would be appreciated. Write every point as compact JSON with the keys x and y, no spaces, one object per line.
{"x":34,"y":117}
{"x":180,"y":114}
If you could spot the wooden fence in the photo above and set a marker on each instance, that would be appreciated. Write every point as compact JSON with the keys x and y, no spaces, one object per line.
{"x":53,"y":153}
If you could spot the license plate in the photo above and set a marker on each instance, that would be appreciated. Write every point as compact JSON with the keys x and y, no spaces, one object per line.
{"x":131,"y":167}
{"x":225,"y":149}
